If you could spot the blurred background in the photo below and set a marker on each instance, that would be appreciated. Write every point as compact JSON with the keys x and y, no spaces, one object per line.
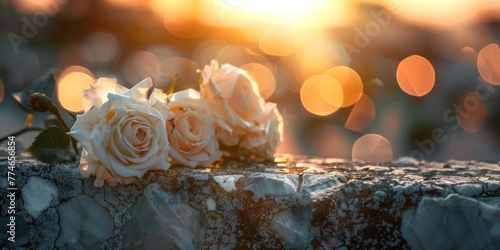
{"x":371,"y":79}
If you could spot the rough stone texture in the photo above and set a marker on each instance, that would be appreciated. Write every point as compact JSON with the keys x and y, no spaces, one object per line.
{"x":37,"y":194}
{"x":463,"y":223}
{"x":294,"y":203}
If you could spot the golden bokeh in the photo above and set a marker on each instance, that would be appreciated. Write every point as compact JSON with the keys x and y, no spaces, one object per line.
{"x":263,"y":76}
{"x":329,"y":91}
{"x":314,"y":62}
{"x":362,"y":114}
{"x":372,"y":148}
{"x":280,"y":40}
{"x":296,"y":13}
{"x":471,"y":112}
{"x":488,"y":63}
{"x":351,"y":83}
{"x":70,"y":86}
{"x":321,"y":95}
{"x":320,"y":57}
{"x":416,"y":75}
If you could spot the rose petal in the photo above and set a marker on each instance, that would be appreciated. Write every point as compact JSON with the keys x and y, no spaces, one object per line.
{"x":97,"y":94}
{"x":140,"y":90}
{"x":83,"y":127}
{"x":179,"y":158}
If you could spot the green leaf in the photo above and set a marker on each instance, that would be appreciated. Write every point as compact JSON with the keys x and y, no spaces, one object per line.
{"x":52,"y":146}
{"x":44,"y":84}
{"x":172,"y":85}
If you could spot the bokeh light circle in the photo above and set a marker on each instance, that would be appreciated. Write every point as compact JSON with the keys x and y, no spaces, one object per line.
{"x":321,"y":95}
{"x":488,"y":63}
{"x":320,"y":57}
{"x":372,"y":148}
{"x":362,"y":114}
{"x":416,"y":75}
{"x":279,"y":41}
{"x":351,"y":83}
{"x":70,"y":86}
{"x":263,"y":76}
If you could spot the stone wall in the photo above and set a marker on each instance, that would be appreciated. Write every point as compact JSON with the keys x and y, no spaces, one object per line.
{"x":296,"y":203}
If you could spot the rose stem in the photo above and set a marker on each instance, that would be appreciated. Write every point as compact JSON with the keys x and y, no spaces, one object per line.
{"x":59,"y":117}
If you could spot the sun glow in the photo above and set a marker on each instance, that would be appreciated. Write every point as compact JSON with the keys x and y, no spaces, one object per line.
{"x":243,"y":13}
{"x":282,"y":9}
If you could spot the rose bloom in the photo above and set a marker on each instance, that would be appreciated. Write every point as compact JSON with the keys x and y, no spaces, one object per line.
{"x":268,"y":138}
{"x":191,"y":131}
{"x":235,"y":98}
{"x":121,"y":134}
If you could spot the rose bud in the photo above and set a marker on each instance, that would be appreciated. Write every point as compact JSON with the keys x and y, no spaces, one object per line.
{"x":41,"y":103}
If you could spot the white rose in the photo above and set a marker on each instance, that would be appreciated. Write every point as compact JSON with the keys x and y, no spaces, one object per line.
{"x":191,"y":131}
{"x":264,"y":142}
{"x":235,"y":98}
{"x":121,"y":134}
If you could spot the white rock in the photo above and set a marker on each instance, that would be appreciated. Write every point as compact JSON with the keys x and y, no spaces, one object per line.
{"x":407,"y":160}
{"x":319,"y":185}
{"x":492,"y":186}
{"x":227,"y":182}
{"x":275,"y":184}
{"x":160,"y":219}
{"x":211,"y":204}
{"x":454,"y":222}
{"x":469,"y":190}
{"x":292,"y":225}
{"x":37,"y":195}
{"x":84,"y":224}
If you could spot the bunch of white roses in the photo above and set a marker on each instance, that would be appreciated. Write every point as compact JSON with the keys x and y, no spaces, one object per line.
{"x":124,"y":133}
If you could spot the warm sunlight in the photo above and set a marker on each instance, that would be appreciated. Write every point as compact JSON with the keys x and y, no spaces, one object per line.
{"x":281,"y":9}
{"x":241,"y":13}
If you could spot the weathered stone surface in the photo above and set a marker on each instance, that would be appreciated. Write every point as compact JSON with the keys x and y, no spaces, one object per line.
{"x":261,"y":184}
{"x":294,"y":203}
{"x":454,"y":222}
{"x":37,"y":194}
{"x":84,"y":223}
{"x":160,"y":219}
